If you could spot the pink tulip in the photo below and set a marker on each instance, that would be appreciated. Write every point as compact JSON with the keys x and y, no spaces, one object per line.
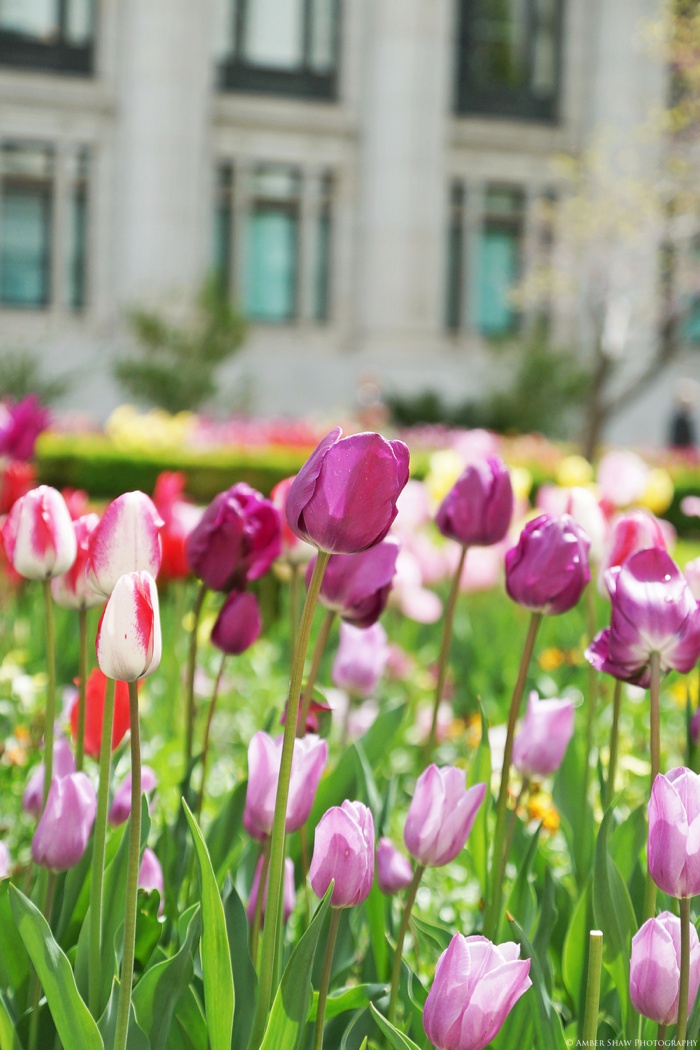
{"x":655,"y":973}
{"x":477,"y":510}
{"x":692,"y":575}
{"x":394,"y":871}
{"x":543,"y":737}
{"x":673,"y":848}
{"x":357,"y":586}
{"x":39,"y":536}
{"x":622,"y":477}
{"x":63,"y":764}
{"x":547,"y":570}
{"x":126,"y":540}
{"x":441,"y":815}
{"x":264,"y":756}
{"x":72,"y":590}
{"x":288,"y":892}
{"x":128,"y":637}
{"x":360,"y":659}
{"x":635,"y":531}
{"x":62,"y":834}
{"x":294,"y":550}
{"x":120,"y":810}
{"x":344,"y":853}
{"x":151,"y":876}
{"x":4,"y":861}
{"x":584,"y":508}
{"x":238,"y":624}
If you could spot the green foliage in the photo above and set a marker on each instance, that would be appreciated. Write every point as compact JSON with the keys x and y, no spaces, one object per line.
{"x":21,"y":374}
{"x":176,"y":365}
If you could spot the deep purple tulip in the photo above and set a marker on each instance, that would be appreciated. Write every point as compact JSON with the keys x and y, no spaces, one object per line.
{"x":673,"y":848}
{"x":476,"y":985}
{"x":547,"y":570}
{"x":63,"y":764}
{"x":357,"y":586}
{"x":127,"y":539}
{"x":655,"y":970}
{"x":38,"y":535}
{"x":63,"y":832}
{"x":343,"y":500}
{"x":441,"y":815}
{"x":394,"y":870}
{"x":151,"y":876}
{"x":288,"y":892}
{"x":344,"y":852}
{"x":238,"y":624}
{"x":236,"y":540}
{"x":264,"y":756}
{"x":120,"y":810}
{"x":653,"y":611}
{"x":361,"y":657}
{"x":543,"y":737}
{"x":477,"y":510}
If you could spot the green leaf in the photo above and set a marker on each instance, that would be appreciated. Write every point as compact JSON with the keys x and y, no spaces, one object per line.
{"x":627,"y":842}
{"x":368,"y":791}
{"x":245,"y":979}
{"x":223,"y":830}
{"x":437,"y":935}
{"x":575,"y":948}
{"x":374,"y":910}
{"x":219,"y":995}
{"x":9,"y":1040}
{"x":14,"y":964}
{"x":76,"y":1028}
{"x":522,"y":901}
{"x":343,"y":999}
{"x":158,"y":992}
{"x":479,"y":841}
{"x":291,"y":1006}
{"x":547,"y":1026}
{"x":396,"y":1038}
{"x":191,"y":1031}
{"x":136,"y":1038}
{"x":577,"y":815}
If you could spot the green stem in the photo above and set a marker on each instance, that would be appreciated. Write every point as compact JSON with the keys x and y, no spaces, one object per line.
{"x":525,"y":787}
{"x":661,"y":1031}
{"x":492,"y":917}
{"x":82,"y":679}
{"x":405,"y":919}
{"x":684,"y":904}
{"x":132,"y":877}
{"x":257,"y":914}
{"x":445,"y":652}
{"x":614,"y":744}
{"x":592,"y":706}
{"x":319,"y":648}
{"x":98,"y":851}
{"x":326,"y":978}
{"x":595,"y":965}
{"x":50,"y":689}
{"x":294,"y":594}
{"x":655,"y":750}
{"x":191,"y":668}
{"x":277,"y":843}
{"x":35,"y":983}
{"x":207,"y":735}
{"x":304,"y":863}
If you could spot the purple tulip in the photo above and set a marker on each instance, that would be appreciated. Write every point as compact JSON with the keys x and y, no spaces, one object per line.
{"x":655,"y":972}
{"x":673,"y":848}
{"x":4,"y":860}
{"x":38,"y":535}
{"x":129,"y":643}
{"x":62,"y":833}
{"x":441,"y":815}
{"x":359,"y":662}
{"x":547,"y":570}
{"x":344,"y":852}
{"x":63,"y":764}
{"x":394,"y":871}
{"x":476,"y":985}
{"x":543,"y":737}
{"x":288,"y":892}
{"x":120,"y":810}
{"x":238,"y":624}
{"x":236,"y":540}
{"x":357,"y":586}
{"x":264,"y":756}
{"x":343,"y":500}
{"x":20,"y":426}
{"x":477,"y":510}
{"x":126,"y":540}
{"x":151,"y":876}
{"x":653,"y":611}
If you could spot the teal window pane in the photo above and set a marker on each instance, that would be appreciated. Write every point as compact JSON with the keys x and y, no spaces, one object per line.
{"x":691,"y":325}
{"x":271,"y":264}
{"x":323,"y":263}
{"x":33,"y":18}
{"x":24,"y":246}
{"x":77,"y":250}
{"x":222,"y":243}
{"x":274,"y":33}
{"x":497,"y":274}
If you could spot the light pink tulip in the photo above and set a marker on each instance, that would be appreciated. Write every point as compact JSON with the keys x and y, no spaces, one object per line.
{"x":128,"y":637}
{"x":62,"y":834}
{"x":126,"y":540}
{"x":441,"y":815}
{"x":38,"y":535}
{"x":264,"y":756}
{"x":543,"y":737}
{"x":72,"y":590}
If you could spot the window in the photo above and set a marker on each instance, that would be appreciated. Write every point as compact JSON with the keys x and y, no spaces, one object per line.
{"x":271,"y":246}
{"x":282,"y":47}
{"x":55,"y":35}
{"x":508,"y":61}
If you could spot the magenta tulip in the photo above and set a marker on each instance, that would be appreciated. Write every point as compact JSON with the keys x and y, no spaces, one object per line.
{"x":238,"y":624}
{"x":264,"y":756}
{"x":655,"y":968}
{"x":673,"y":848}
{"x":547,"y":570}
{"x":634,"y":531}
{"x":394,"y":870}
{"x":128,"y":636}
{"x":476,"y":985}
{"x":62,"y":834}
{"x":356,"y":586}
{"x":151,"y":876}
{"x":126,"y":540}
{"x":441,"y":815}
{"x":361,"y":657}
{"x":63,"y":764}
{"x":477,"y":510}
{"x":543,"y":737}
{"x":38,"y":535}
{"x":343,"y":500}
{"x":344,"y":854}
{"x":288,"y":894}
{"x":73,"y":590}
{"x":120,"y":810}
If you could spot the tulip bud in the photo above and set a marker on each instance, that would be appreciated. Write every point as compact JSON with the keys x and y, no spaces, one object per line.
{"x":4,"y":860}
{"x":63,"y":764}
{"x":543,"y":737}
{"x":547,"y":570}
{"x":655,"y":972}
{"x":441,"y":815}
{"x":151,"y":875}
{"x":72,"y":590}
{"x":94,"y":713}
{"x":357,"y":586}
{"x":288,"y":892}
{"x":62,"y":834}
{"x":120,"y":810}
{"x":125,"y":541}
{"x":264,"y":757}
{"x":476,"y":985}
{"x":478,"y":508}
{"x":344,"y":852}
{"x":343,"y":500}
{"x":673,"y":848}
{"x":238,"y":624}
{"x":359,"y":662}
{"x":394,"y":871}
{"x":39,"y":536}
{"x":128,"y":636}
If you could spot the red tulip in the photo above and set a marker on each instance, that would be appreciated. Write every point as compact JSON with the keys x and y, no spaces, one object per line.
{"x":94,"y":713}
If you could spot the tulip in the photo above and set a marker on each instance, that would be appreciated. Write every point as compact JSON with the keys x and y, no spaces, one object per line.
{"x":477,"y":510}
{"x":547,"y":570}
{"x":16,"y":480}
{"x":441,"y":815}
{"x":151,"y":875}
{"x":39,"y":536}
{"x":394,"y":871}
{"x":544,"y":736}
{"x":655,"y":968}
{"x":120,"y":810}
{"x":692,"y":575}
{"x":179,"y":518}
{"x":72,"y":590}
{"x":360,"y":660}
{"x":128,"y":637}
{"x":343,"y":500}
{"x":344,"y":853}
{"x":238,"y":624}
{"x":356,"y":586}
{"x":622,"y":477}
{"x":289,"y":894}
{"x":673,"y":848}
{"x":264,"y":755}
{"x":63,"y":764}
{"x":583,"y":506}
{"x":62,"y":834}
{"x":295,"y":551}
{"x":631,"y":532}
{"x":476,"y":985}
{"x":4,"y":860}
{"x":236,"y":540}
{"x":94,"y":713}
{"x":126,"y":540}
{"x":20,"y":427}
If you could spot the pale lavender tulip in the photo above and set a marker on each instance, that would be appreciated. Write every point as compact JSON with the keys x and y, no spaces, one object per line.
{"x":637,"y":530}
{"x":476,"y":985}
{"x":622,"y":477}
{"x":264,"y":756}
{"x":547,"y":570}
{"x":360,"y":660}
{"x":126,"y":540}
{"x":4,"y":860}
{"x":356,"y":586}
{"x":441,"y":815}
{"x":584,"y":508}
{"x":38,"y":535}
{"x":673,"y":848}
{"x":238,"y":624}
{"x":129,"y":641}
{"x":151,"y":876}
{"x":344,"y":853}
{"x":288,"y":892}
{"x":73,"y":590}
{"x":477,"y":510}
{"x":63,"y":764}
{"x":62,"y":834}
{"x":394,"y":870}
{"x":543,"y":737}
{"x":692,"y":575}
{"x":655,"y":974}
{"x":120,"y":810}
